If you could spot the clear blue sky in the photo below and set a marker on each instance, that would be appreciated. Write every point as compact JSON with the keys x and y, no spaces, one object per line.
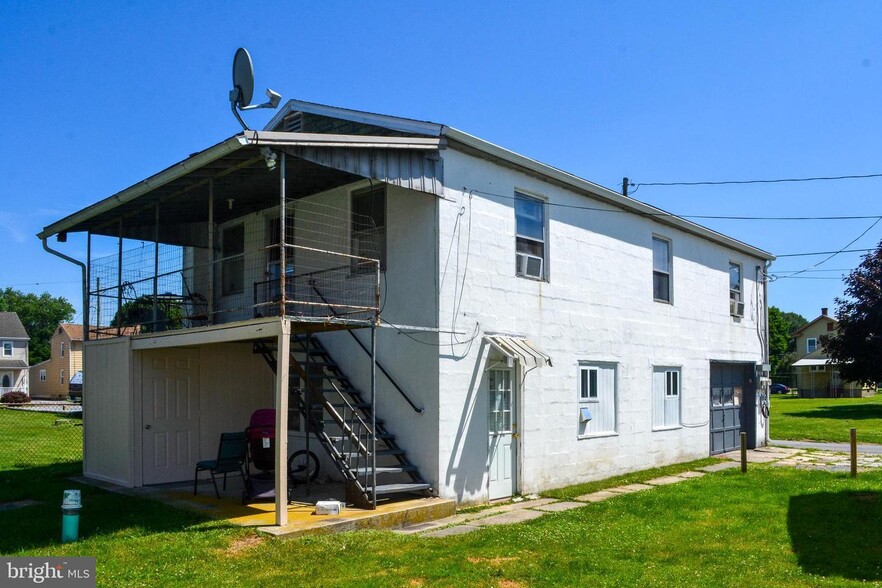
{"x":99,"y":95}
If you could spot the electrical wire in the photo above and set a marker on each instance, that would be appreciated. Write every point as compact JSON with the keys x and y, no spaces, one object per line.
{"x":768,"y":181}
{"x":663,"y":214}
{"x":823,"y":253}
{"x":832,"y":255}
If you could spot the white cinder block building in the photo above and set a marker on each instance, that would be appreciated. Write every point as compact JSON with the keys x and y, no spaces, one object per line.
{"x":533,"y":329}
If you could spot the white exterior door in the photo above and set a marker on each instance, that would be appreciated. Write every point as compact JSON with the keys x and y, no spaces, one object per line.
{"x":170,"y":384}
{"x":502,"y":458}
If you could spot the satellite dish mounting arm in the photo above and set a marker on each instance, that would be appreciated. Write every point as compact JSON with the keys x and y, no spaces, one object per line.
{"x":243,"y":87}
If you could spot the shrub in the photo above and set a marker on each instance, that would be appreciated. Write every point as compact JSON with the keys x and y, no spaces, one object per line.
{"x":15,"y":397}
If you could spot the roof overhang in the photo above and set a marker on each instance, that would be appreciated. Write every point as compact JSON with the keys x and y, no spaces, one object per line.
{"x":519,"y":349}
{"x":237,"y":169}
{"x":811,"y":362}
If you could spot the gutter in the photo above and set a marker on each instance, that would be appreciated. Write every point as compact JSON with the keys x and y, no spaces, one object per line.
{"x":85,"y":284}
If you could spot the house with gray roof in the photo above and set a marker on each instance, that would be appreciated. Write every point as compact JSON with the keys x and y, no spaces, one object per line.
{"x":13,"y":354}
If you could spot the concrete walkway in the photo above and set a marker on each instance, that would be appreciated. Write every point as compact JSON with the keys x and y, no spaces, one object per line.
{"x":837,"y":447}
{"x":805,"y":456}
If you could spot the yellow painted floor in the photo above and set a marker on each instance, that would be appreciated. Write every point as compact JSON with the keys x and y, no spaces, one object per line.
{"x":301,"y":511}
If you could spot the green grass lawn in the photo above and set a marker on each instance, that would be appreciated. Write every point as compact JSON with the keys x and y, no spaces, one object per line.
{"x":770,"y":527}
{"x":826,"y":419}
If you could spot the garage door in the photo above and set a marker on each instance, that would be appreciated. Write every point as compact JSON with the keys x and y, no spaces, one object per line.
{"x":732,"y":406}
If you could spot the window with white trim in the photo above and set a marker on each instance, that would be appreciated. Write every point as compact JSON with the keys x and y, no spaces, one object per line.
{"x":597,"y":398}
{"x":811,"y":345}
{"x":735,"y":290}
{"x":7,"y":349}
{"x":530,"y":237}
{"x":369,"y":227}
{"x":817,"y":368}
{"x":661,"y":269}
{"x":62,"y":349}
{"x":42,"y":375}
{"x":665,"y":397}
{"x":61,"y":376}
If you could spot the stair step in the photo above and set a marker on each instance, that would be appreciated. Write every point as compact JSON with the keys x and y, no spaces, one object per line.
{"x":366,"y":421}
{"x":383,"y":436}
{"x":380,"y":453}
{"x":387,"y":470}
{"x":395,"y":488}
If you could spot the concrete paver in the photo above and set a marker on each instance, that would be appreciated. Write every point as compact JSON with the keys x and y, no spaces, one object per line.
{"x":717,"y":467}
{"x":665,"y":480}
{"x":632,"y":487}
{"x":507,"y":518}
{"x":597,"y":496}
{"x":691,"y":474}
{"x":449,"y":531}
{"x":560,"y":506}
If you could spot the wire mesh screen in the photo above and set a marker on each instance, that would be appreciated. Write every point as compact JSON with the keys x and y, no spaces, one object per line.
{"x":331,"y":271}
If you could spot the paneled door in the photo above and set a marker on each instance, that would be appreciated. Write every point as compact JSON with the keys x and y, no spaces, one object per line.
{"x":502,"y":449}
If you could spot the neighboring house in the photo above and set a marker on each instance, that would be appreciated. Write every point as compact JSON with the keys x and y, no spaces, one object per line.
{"x":50,"y":379}
{"x":13,"y":354}
{"x":534,"y":329}
{"x":816,"y":375}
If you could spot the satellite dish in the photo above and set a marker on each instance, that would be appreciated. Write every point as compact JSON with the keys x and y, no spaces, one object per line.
{"x":243,"y":87}
{"x":243,"y":78}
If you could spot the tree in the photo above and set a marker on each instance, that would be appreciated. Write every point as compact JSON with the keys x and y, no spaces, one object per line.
{"x":782,"y":343}
{"x":40,"y":316}
{"x":857,"y":345}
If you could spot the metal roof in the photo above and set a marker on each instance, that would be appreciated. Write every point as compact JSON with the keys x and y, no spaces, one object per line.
{"x":518,"y":349}
{"x":810,"y":362}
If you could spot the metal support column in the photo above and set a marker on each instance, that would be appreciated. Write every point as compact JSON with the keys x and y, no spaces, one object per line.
{"x":210,"y":301}
{"x":87,"y":284}
{"x":281,"y":404}
{"x":155,"y":269}
{"x":119,"y":280}
{"x":374,"y":415}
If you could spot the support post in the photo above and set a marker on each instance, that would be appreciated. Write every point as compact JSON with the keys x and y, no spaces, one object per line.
{"x":853,"y":453}
{"x":87,"y":284}
{"x":281,"y":404}
{"x":210,"y":306}
{"x":374,"y":415}
{"x":155,"y":269}
{"x":743,"y":452}
{"x":119,"y":280}
{"x":282,"y":248}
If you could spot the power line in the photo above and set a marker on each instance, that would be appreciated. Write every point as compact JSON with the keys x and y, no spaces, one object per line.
{"x":824,"y":253}
{"x":768,"y":181}
{"x":663,"y":214}
{"x":831,"y":256}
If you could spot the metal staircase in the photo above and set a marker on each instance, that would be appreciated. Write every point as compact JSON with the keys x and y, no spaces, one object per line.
{"x":337,"y":414}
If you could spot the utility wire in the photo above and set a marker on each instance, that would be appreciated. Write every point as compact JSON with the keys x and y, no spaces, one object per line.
{"x":824,"y":253}
{"x":663,"y":214}
{"x":769,"y":181}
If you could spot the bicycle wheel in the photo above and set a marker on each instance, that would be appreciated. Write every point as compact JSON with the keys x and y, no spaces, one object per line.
{"x":302,"y":464}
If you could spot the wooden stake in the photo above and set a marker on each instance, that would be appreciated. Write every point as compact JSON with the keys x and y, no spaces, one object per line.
{"x":743,"y":453}
{"x":854,"y":453}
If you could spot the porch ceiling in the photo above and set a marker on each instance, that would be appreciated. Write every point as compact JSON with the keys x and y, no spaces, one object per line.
{"x":238,"y":171}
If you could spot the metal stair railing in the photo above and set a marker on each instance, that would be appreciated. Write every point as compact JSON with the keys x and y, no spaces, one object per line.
{"x":364,"y":348}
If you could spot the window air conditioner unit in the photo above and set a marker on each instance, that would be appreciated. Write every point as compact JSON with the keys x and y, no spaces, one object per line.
{"x":529,"y":266}
{"x":736,"y":308}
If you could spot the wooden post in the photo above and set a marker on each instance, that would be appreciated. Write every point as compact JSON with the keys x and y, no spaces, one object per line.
{"x":854,"y":453}
{"x":743,"y":452}
{"x":281,"y":404}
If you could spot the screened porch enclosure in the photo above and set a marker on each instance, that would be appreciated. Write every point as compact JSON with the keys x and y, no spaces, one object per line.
{"x":214,"y":253}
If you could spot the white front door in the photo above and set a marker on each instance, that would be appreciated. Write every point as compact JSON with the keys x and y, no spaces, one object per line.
{"x":170,"y":384}
{"x":502,"y":448}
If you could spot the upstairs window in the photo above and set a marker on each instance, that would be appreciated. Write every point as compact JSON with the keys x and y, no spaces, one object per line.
{"x":7,"y":349}
{"x":661,"y":269}
{"x":736,"y":303}
{"x":42,"y":375}
{"x":369,"y":227}
{"x":811,"y":345}
{"x":530,"y":237}
{"x":62,"y":349}
{"x":233,"y":265}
